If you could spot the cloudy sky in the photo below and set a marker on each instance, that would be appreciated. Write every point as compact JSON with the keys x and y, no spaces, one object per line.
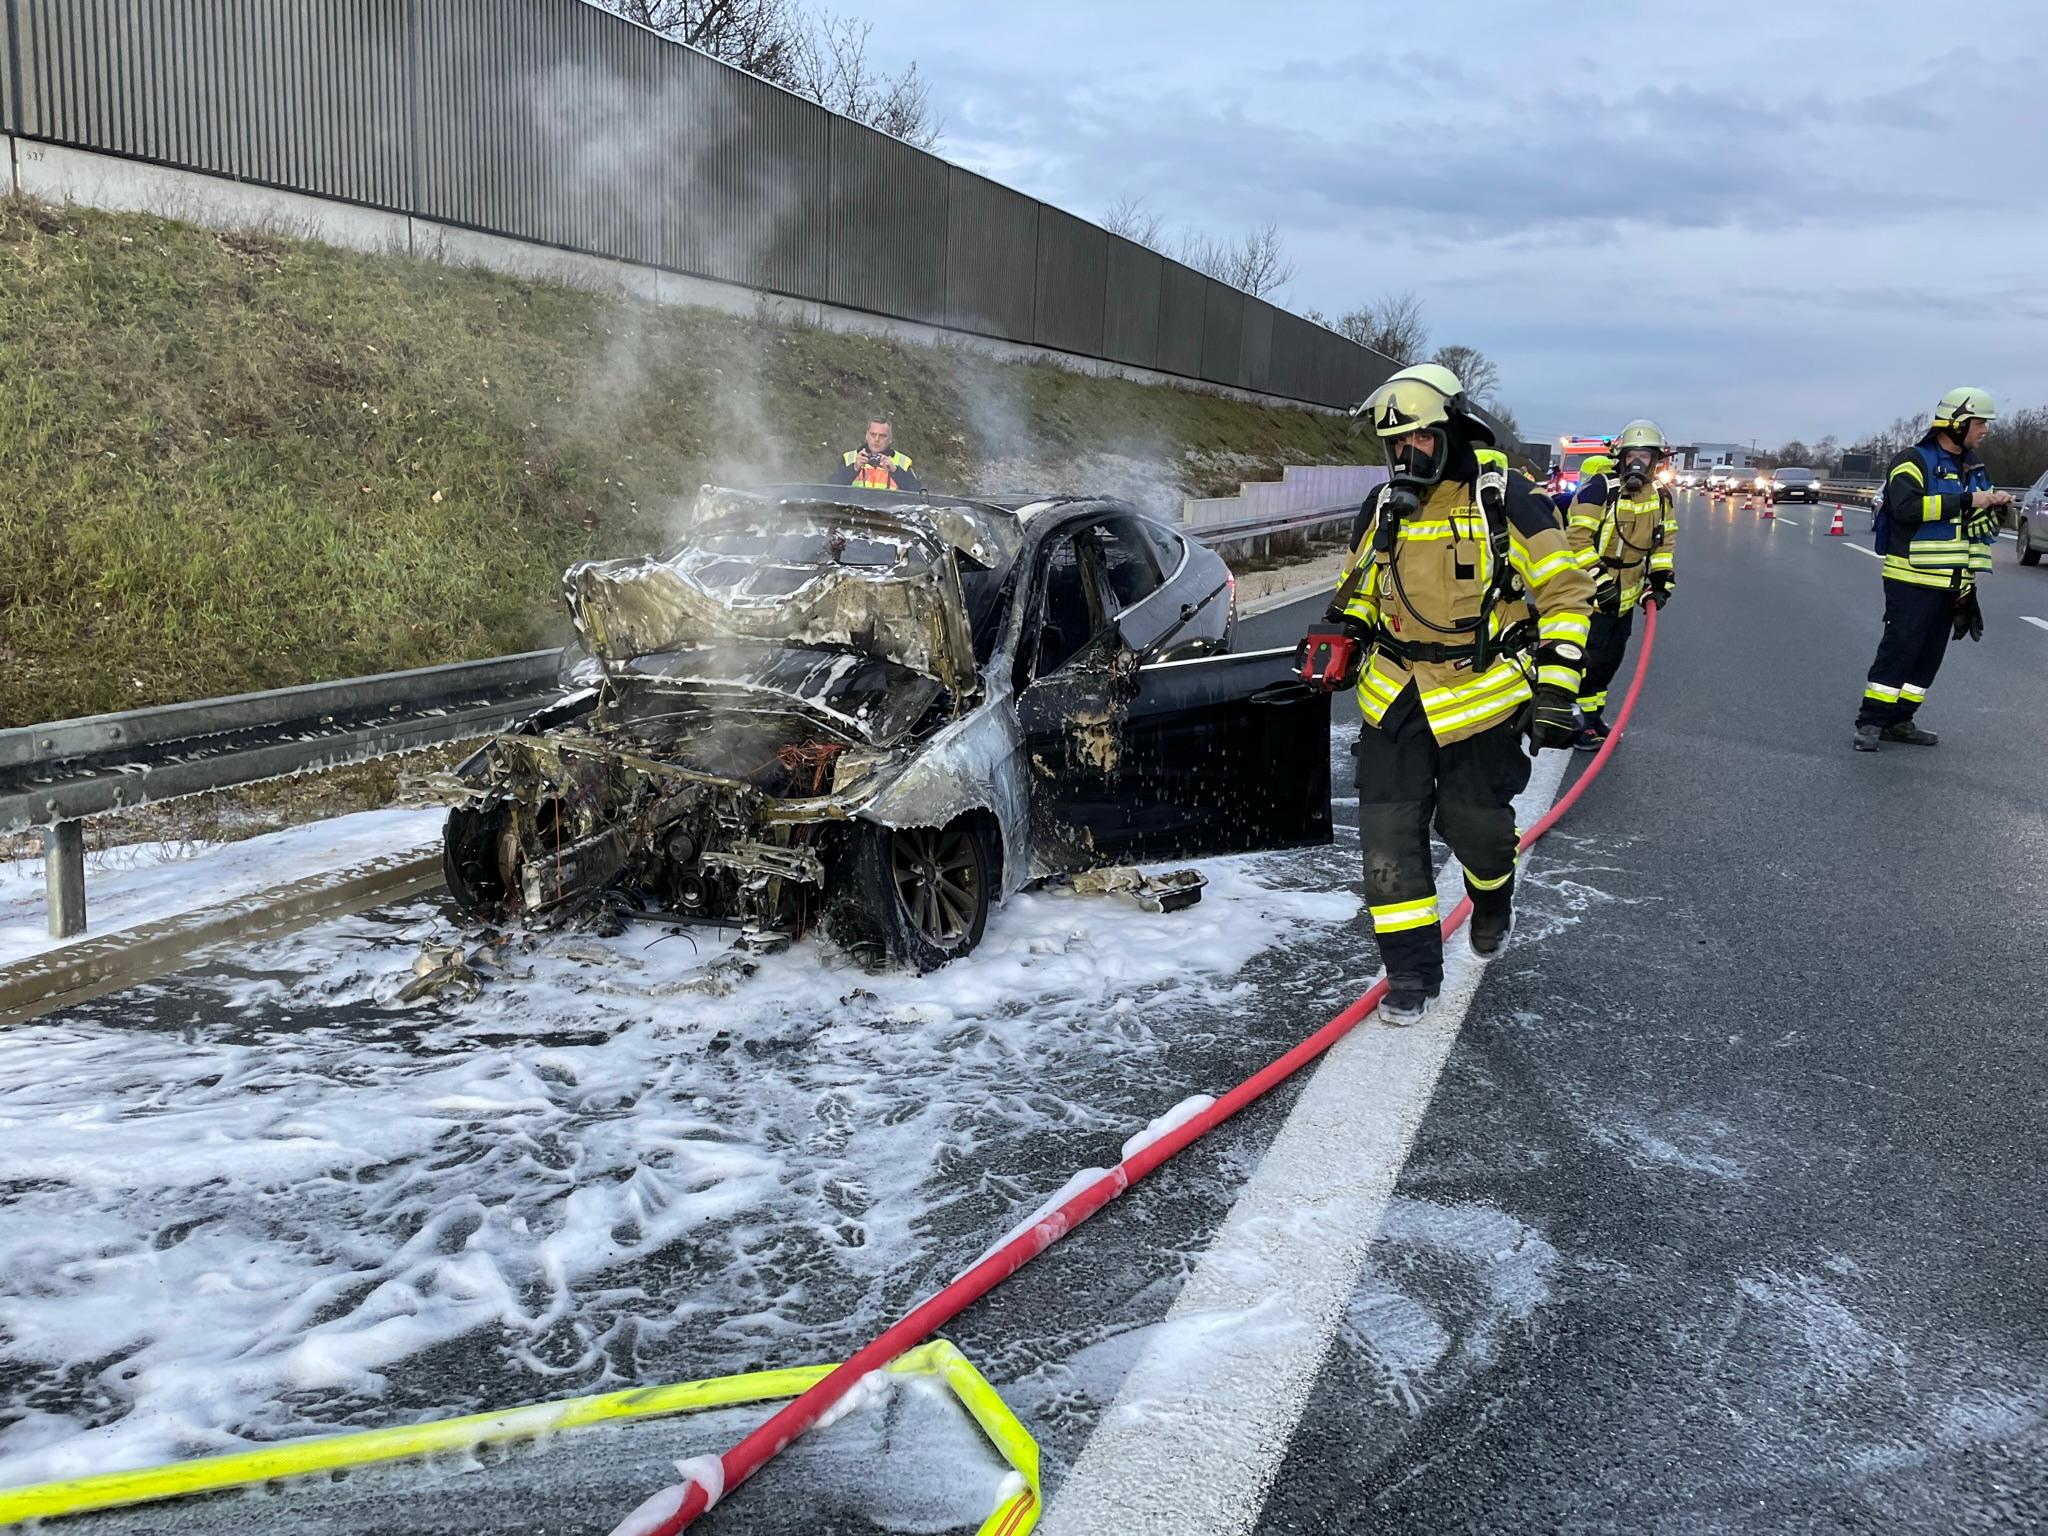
{"x":1747,"y":220}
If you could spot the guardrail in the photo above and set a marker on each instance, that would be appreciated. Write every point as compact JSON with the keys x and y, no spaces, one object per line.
{"x":1255,"y":534}
{"x":55,"y":775}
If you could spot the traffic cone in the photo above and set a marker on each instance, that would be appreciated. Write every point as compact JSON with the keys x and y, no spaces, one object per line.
{"x":1748,"y":505}
{"x":1835,"y":528}
{"x":1770,"y":507}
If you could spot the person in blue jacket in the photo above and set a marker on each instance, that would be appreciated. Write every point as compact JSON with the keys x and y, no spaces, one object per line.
{"x":1936,"y":525}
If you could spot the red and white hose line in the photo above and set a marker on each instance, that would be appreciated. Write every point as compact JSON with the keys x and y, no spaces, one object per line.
{"x":802,"y":1413}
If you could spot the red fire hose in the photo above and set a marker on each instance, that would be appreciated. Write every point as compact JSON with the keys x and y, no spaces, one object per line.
{"x":802,"y":1413}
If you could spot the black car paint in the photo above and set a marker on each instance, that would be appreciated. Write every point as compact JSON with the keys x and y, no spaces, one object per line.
{"x":1152,"y":741}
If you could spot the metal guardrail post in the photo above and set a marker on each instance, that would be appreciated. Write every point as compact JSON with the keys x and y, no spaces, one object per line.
{"x":64,"y":878}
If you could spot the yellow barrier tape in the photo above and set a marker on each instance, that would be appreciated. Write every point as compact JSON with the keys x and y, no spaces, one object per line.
{"x":1015,"y":1515}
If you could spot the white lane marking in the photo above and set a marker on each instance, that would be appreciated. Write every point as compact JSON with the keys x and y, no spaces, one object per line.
{"x":2028,"y":618}
{"x":1789,"y":522}
{"x":1862,"y":551}
{"x":1198,"y":1431}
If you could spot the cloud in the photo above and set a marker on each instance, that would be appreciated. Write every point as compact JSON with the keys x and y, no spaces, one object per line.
{"x":1629,"y":209}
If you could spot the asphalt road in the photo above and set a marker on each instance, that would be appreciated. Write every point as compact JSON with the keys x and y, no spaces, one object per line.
{"x":1767,"y":1118}
{"x":1722,"y":1216}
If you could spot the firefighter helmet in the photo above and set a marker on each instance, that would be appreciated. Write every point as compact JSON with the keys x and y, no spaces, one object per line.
{"x":1960,"y":407}
{"x":1638,"y":451}
{"x":1422,"y":398}
{"x":1640,"y":434}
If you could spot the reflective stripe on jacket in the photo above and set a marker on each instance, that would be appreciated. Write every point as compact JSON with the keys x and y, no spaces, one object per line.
{"x":1927,"y":494}
{"x":1436,"y":578}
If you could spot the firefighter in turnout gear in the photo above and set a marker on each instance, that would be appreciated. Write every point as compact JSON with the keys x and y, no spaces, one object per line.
{"x":1464,"y":617}
{"x":1936,"y":527}
{"x":876,"y":464}
{"x":1624,"y":530}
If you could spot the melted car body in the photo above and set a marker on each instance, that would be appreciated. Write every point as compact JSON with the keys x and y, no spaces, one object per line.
{"x":885,"y":712}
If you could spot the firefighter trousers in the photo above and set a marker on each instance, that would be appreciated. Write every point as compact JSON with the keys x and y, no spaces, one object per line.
{"x":1917,"y":624}
{"x":1405,"y":779}
{"x":1606,"y":644}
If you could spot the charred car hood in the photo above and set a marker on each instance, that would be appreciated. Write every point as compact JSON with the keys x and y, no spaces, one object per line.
{"x":866,"y":699}
{"x":803,"y":573}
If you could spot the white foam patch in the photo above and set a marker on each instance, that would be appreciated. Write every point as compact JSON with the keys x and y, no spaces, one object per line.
{"x":1168,"y":1123}
{"x":653,"y":1512}
{"x":245,"y":1226}
{"x":146,"y":882}
{"x":708,"y":1473}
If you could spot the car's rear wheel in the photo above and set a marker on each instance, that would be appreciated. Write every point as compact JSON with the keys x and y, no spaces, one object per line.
{"x":918,"y":896}
{"x":2028,"y":554}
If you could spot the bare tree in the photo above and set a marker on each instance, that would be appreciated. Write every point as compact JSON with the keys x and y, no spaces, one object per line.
{"x":822,"y":56}
{"x":1475,"y":370}
{"x":759,"y":36}
{"x":1130,"y":217}
{"x":833,"y":69}
{"x":1392,"y":325}
{"x":1256,"y":262}
{"x":2015,"y":450}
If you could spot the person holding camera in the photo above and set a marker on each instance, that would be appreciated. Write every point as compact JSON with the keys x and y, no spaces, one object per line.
{"x":1462,"y":620}
{"x":1936,"y":526}
{"x":876,"y":464}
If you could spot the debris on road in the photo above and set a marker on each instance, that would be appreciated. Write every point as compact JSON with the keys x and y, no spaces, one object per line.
{"x":1171,"y":892}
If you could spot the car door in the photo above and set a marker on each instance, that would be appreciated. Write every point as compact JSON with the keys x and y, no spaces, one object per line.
{"x":1224,"y":754}
{"x":1171,"y":759}
{"x":1074,"y":684}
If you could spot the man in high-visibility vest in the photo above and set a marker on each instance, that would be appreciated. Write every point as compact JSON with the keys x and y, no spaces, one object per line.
{"x":1936,"y":526}
{"x":1462,"y":620}
{"x":876,"y":464}
{"x":1623,"y":527}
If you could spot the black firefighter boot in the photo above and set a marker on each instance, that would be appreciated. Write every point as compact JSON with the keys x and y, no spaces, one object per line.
{"x":1866,"y":738}
{"x":1911,"y":734}
{"x":1406,"y":1000}
{"x":1493,"y":914}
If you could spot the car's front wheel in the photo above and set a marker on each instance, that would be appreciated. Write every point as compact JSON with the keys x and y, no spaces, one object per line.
{"x":2029,"y":555}
{"x":918,"y":896}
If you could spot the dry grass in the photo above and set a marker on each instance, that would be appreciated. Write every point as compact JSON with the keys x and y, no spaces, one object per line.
{"x":237,"y":461}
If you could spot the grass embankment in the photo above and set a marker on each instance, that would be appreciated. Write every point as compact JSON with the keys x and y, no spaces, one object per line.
{"x":234,"y":461}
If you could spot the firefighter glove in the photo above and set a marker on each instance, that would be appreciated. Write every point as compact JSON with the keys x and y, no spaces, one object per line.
{"x":1969,"y":616}
{"x":1983,"y":523}
{"x":1607,"y":592}
{"x":1550,"y":722}
{"x":1659,"y":592}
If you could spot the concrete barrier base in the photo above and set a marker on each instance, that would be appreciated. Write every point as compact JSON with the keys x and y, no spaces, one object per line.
{"x":60,"y":174}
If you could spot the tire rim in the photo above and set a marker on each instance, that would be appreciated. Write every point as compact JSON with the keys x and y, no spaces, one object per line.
{"x":938,"y":881}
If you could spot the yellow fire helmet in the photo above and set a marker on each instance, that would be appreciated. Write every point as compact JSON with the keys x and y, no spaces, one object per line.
{"x":1960,"y":407}
{"x":1420,"y":396}
{"x":1640,"y":433}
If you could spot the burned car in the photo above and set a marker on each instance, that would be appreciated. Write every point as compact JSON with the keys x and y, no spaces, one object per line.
{"x":883,"y":713}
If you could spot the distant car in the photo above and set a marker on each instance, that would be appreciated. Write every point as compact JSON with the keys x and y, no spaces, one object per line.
{"x":885,"y":713}
{"x":2031,"y":510}
{"x":1795,"y":485}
